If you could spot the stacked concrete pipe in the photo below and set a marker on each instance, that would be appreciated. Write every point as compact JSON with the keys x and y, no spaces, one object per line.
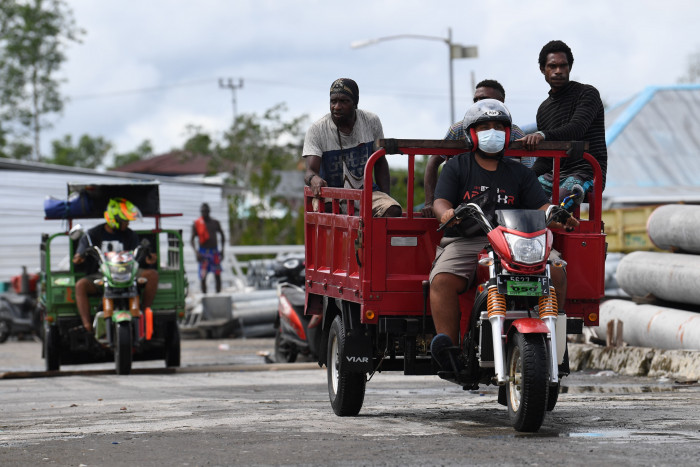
{"x":673,"y":277}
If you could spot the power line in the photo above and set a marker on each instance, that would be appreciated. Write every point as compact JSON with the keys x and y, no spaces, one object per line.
{"x":162,"y":87}
{"x":311,"y":87}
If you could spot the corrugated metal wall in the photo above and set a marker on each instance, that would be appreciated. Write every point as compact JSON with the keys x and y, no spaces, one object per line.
{"x":22,"y":194}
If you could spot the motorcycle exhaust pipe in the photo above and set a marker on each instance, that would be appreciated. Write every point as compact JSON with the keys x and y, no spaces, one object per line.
{"x":135,"y":322}
{"x":549,"y":310}
{"x":551,"y":322}
{"x":498,"y":357}
{"x":496,"y":306}
{"x":109,"y":328}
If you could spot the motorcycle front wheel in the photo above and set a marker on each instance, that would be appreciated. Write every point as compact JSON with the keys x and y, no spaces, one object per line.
{"x":284,"y":351}
{"x":346,"y":389}
{"x":122,"y":349}
{"x":527,"y":388}
{"x":5,"y":331}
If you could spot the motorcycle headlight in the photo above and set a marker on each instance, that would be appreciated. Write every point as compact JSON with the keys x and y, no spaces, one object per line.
{"x":526,"y":250}
{"x":120,"y":272}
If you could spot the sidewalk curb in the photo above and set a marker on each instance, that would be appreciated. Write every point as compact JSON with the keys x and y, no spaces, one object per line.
{"x":636,"y":361}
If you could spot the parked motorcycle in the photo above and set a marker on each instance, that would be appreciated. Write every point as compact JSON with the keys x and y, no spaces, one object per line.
{"x":119,"y":318}
{"x":18,"y":313}
{"x":295,"y":332}
{"x":515,"y":337}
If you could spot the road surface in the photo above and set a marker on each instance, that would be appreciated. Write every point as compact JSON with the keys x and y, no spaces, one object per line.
{"x":226,"y":407}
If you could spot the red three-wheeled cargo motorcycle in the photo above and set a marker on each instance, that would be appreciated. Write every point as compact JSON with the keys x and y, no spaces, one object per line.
{"x":367,"y":278}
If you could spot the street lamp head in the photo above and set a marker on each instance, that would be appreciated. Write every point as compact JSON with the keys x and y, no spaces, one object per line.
{"x":365,"y":43}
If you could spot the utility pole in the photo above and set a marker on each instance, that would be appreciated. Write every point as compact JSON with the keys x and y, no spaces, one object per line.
{"x":229,"y":84}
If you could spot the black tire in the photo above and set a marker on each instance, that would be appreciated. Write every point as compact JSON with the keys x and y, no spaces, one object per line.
{"x":52,"y":349}
{"x":552,"y":397}
{"x":284,"y":351}
{"x":346,"y":389}
{"x":172,"y":345}
{"x":527,"y":388}
{"x":5,"y":331}
{"x":122,"y":349}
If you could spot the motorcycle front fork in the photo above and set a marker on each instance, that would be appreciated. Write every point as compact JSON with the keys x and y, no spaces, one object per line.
{"x":497,"y":324}
{"x":134,"y":323}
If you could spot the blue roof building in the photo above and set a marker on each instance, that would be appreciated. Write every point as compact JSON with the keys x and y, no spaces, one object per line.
{"x":653,"y":144}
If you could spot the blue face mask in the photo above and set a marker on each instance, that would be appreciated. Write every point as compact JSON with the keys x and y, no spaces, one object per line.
{"x":491,"y":141}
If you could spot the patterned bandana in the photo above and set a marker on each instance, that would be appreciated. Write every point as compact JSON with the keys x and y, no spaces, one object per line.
{"x":348,"y":87}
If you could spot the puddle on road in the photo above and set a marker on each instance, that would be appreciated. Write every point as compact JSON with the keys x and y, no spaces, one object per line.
{"x":489,"y":390}
{"x":611,"y":435}
{"x":616,"y":389}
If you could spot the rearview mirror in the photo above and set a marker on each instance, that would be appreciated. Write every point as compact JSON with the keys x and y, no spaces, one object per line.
{"x":76,"y":232}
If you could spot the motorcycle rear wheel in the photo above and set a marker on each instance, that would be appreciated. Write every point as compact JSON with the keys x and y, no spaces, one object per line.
{"x":527,"y":388}
{"x":52,"y":349}
{"x":122,"y":350}
{"x":172,"y":345}
{"x":346,"y":389}
{"x":553,"y":397}
{"x":5,"y":331}
{"x":284,"y":351}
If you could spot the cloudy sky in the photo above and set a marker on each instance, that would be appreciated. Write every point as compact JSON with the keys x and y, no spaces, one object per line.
{"x":148,"y":68}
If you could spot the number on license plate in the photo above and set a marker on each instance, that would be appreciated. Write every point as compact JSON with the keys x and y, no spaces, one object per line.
{"x":528,"y":288}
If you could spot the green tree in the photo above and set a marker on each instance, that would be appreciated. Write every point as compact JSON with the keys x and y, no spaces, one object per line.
{"x":399,"y":184}
{"x":252,"y":152}
{"x":254,"y":140}
{"x":33,"y":38}
{"x":198,"y":142}
{"x":88,"y":153}
{"x":143,"y":151}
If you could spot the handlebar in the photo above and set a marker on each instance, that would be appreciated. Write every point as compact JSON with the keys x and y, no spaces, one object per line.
{"x":469,"y":210}
{"x":557,"y":214}
{"x":554,"y":213}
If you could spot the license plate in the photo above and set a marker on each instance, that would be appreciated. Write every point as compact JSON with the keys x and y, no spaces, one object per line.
{"x":524,"y":288}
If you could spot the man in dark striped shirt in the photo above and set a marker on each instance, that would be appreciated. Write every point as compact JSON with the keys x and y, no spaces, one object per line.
{"x":572,"y":112}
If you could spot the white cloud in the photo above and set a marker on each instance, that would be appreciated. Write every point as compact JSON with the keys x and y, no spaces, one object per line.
{"x":290,"y":51}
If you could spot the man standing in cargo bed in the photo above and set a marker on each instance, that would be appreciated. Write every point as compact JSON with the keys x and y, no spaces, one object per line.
{"x":572,"y":112}
{"x":337,"y":146}
{"x":209,"y":257}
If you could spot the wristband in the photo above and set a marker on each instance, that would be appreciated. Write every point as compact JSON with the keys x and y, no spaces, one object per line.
{"x":541,"y":134}
{"x":308,"y":182}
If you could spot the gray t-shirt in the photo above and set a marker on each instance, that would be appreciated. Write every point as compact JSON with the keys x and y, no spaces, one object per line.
{"x":343,"y":157}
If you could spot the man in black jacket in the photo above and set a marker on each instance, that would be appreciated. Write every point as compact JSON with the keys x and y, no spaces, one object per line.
{"x":572,"y":112}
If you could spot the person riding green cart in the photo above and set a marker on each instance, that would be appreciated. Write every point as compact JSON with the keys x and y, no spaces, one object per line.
{"x":120,"y":299}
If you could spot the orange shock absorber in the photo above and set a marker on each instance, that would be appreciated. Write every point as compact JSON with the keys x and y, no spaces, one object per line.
{"x":548,"y":305}
{"x":107,"y":307}
{"x":496,"y":302}
{"x":134,"y":306}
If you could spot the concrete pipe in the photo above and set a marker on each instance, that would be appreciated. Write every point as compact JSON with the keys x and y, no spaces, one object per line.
{"x":651,"y":326}
{"x":669,"y":276}
{"x":675,"y":227}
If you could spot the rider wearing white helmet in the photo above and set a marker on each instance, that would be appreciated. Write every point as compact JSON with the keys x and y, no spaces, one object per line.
{"x":485,"y":177}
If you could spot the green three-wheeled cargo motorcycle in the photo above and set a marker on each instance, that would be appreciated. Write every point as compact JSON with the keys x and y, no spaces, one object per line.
{"x":123,"y":330}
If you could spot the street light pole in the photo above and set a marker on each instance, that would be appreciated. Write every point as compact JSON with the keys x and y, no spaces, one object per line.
{"x":454,"y":51}
{"x":449,"y":59}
